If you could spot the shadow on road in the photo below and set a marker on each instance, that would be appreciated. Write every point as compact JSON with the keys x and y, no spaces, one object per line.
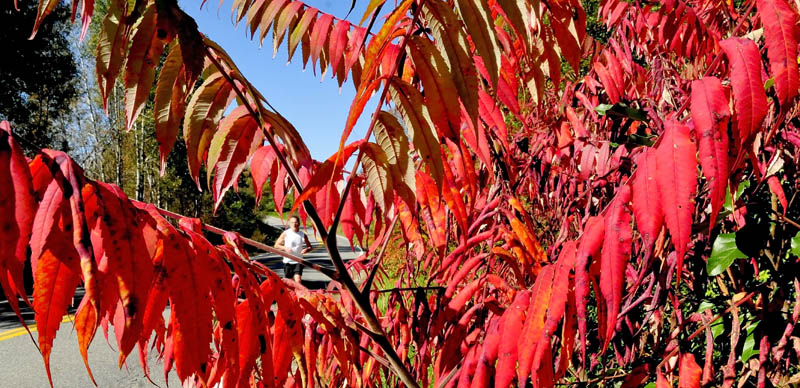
{"x":9,"y":320}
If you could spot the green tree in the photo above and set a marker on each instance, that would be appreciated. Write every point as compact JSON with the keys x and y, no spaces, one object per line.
{"x":38,"y":77}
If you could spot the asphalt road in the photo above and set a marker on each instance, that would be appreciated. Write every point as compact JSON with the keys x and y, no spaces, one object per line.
{"x":21,"y":364}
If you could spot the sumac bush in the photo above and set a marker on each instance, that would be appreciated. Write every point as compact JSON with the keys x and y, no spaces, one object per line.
{"x":572,"y":211}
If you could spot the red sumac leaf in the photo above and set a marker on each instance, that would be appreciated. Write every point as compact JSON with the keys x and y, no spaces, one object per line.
{"x":533,"y":329}
{"x":127,"y":261}
{"x":589,"y":248}
{"x":281,"y":26}
{"x":237,"y":137}
{"x":677,"y":182}
{"x":478,"y":19}
{"x":45,"y":8}
{"x":327,"y":172}
{"x":17,"y":209}
{"x":263,"y":165}
{"x":611,"y":87}
{"x":56,"y":274}
{"x":85,"y":329}
{"x":191,"y":308}
{"x":690,"y":372}
{"x":169,"y":103}
{"x":431,"y":209}
{"x":112,"y":46}
{"x":710,"y":114}
{"x":338,"y":42}
{"x":201,"y":117}
{"x":489,"y":353}
{"x":389,"y":134}
{"x":567,"y":36}
{"x":266,"y":15}
{"x":493,"y":117}
{"x":409,"y":102}
{"x":558,"y":302}
{"x":780,"y":36}
{"x":748,"y":88}
{"x":648,"y":211}
{"x":555,"y":312}
{"x":439,"y":86}
{"x":301,"y":30}
{"x":319,"y":35}
{"x":468,"y":368}
{"x":450,"y":39}
{"x":614,"y":258}
{"x":511,"y":331}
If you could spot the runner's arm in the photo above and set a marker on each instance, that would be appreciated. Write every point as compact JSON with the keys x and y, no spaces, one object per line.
{"x":279,"y":242}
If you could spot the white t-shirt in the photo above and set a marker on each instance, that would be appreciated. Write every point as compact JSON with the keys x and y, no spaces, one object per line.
{"x":294,"y":242}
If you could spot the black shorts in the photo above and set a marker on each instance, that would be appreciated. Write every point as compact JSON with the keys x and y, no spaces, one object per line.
{"x":290,"y":269}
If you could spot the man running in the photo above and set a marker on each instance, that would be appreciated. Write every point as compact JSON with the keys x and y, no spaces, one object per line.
{"x":291,"y":241}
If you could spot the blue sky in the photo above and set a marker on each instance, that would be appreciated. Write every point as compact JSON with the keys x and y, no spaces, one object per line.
{"x":317,"y":109}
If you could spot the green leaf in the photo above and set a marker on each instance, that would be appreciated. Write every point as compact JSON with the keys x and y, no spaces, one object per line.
{"x":633,"y":113}
{"x":636,"y":139}
{"x":603,"y":108}
{"x":769,"y":83}
{"x":705,"y":305}
{"x":764,"y":276}
{"x":622,"y":110}
{"x":730,"y":201}
{"x":796,"y":245}
{"x":717,"y":328}
{"x":723,"y":254}
{"x":748,"y":350}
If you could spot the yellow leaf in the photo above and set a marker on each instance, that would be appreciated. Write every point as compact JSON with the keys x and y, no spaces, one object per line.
{"x":480,"y":25}
{"x":418,"y":123}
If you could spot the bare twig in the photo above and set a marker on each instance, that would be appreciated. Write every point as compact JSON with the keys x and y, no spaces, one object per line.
{"x":402,"y":289}
{"x":255,"y":244}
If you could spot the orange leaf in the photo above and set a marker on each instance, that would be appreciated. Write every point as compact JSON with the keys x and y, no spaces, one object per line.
{"x":690,"y":372}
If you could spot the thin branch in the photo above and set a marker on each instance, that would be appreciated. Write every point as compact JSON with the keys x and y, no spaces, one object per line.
{"x":255,"y":244}
{"x":449,"y":377}
{"x":377,"y":358}
{"x":595,"y":380}
{"x":787,"y":220}
{"x":405,"y":289}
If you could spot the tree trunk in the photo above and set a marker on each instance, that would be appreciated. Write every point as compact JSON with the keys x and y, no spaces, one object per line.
{"x":139,"y":145}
